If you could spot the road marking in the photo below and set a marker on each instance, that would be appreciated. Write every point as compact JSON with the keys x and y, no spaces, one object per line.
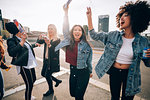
{"x":97,"y":52}
{"x":63,"y":71}
{"x":96,"y":82}
{"x":39,"y":81}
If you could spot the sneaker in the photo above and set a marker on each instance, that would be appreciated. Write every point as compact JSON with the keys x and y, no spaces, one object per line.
{"x":48,"y":93}
{"x":33,"y":98}
{"x":58,"y":82}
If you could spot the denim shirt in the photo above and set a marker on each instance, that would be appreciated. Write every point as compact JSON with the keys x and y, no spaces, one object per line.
{"x":84,"y":56}
{"x":113,"y":42}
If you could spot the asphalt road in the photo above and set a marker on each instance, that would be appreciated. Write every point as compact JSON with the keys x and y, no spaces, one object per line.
{"x":16,"y":80}
{"x":145,"y":72}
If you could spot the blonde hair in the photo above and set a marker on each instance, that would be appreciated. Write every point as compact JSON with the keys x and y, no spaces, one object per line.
{"x":55,"y":32}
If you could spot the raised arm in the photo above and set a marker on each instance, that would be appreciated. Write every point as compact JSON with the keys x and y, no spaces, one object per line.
{"x":66,"y":23}
{"x":94,"y":35}
{"x":89,"y":18}
{"x":13,"y":48}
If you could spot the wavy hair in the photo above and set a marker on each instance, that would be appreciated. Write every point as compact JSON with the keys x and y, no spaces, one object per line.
{"x":72,"y":41}
{"x":140,"y":15}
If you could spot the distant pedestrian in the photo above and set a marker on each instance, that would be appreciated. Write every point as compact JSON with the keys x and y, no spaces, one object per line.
{"x":50,"y":57}
{"x":124,"y":49}
{"x":78,"y":55}
{"x":3,"y":66}
{"x":23,"y":57}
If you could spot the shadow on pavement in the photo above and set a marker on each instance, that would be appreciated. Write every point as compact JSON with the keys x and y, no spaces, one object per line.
{"x":51,"y":97}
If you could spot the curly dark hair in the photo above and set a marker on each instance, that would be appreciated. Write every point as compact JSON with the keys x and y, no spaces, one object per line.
{"x":139,"y":12}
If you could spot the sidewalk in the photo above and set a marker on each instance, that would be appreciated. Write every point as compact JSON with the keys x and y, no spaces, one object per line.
{"x":60,"y":93}
{"x":95,"y":91}
{"x":15,"y":87}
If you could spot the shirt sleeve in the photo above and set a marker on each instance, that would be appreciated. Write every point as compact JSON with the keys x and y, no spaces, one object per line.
{"x":66,"y":32}
{"x":102,"y":36}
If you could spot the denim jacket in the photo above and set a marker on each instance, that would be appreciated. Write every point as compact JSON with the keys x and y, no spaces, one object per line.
{"x":113,"y":42}
{"x":84,"y":57}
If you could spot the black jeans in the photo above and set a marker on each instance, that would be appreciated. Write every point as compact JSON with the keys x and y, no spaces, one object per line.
{"x":78,"y":82}
{"x":49,"y":79}
{"x":29,"y":78}
{"x":118,"y":78}
{"x":1,"y":86}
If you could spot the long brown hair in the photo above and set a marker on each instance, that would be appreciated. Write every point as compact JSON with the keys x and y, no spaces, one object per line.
{"x":83,"y":37}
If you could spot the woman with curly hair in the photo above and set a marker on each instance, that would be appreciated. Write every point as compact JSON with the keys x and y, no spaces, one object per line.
{"x":124,"y":49}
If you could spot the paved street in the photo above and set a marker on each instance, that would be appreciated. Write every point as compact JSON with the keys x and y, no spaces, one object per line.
{"x":98,"y":89}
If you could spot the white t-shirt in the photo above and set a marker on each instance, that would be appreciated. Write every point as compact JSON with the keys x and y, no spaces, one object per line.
{"x":125,"y":55}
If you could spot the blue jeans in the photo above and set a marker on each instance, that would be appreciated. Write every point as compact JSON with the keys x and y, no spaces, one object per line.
{"x":1,"y":86}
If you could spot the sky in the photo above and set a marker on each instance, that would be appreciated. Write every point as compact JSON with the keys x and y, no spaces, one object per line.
{"x":38,"y":14}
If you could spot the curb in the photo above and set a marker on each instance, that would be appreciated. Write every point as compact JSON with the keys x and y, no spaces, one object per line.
{"x":63,"y":71}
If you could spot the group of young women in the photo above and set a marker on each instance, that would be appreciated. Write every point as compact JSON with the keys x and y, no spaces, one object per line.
{"x":121,"y":58}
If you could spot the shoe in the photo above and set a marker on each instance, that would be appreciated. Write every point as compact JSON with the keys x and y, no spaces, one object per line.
{"x":33,"y":98}
{"x":48,"y":93}
{"x":58,"y":82}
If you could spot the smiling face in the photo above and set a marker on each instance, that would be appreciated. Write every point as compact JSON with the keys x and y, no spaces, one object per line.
{"x":52,"y":31}
{"x":77,"y":33}
{"x":124,"y":21}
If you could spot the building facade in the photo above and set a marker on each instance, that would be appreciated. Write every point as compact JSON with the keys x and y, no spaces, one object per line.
{"x":103,"y":23}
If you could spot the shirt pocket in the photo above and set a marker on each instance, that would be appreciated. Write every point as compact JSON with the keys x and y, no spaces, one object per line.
{"x":110,"y":47}
{"x":85,"y":54}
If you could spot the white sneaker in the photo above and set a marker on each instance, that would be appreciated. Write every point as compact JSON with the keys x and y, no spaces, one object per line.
{"x":33,"y":98}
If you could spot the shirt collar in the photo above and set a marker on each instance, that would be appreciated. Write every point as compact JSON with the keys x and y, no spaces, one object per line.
{"x":137,"y":35}
{"x":81,"y":41}
{"x":122,"y":32}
